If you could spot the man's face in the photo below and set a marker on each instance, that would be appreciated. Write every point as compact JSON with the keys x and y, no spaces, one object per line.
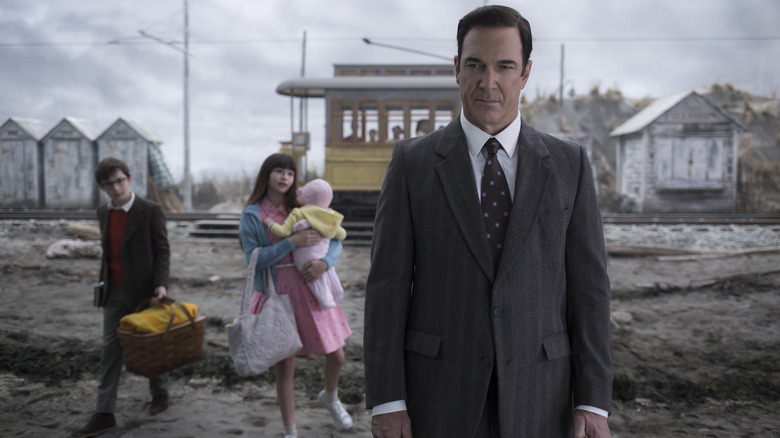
{"x":117,"y":187}
{"x":491,"y":77}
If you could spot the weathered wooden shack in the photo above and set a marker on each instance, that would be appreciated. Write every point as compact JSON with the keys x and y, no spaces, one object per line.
{"x":679,"y":155}
{"x":69,"y":160}
{"x":20,"y":163}
{"x":130,"y":142}
{"x":585,"y":141}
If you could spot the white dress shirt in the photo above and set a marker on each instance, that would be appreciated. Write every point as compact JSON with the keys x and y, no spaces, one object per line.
{"x":476,"y":139}
{"x":126,"y":206}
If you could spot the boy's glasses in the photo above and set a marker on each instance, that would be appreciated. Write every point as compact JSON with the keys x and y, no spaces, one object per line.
{"x":117,"y":182}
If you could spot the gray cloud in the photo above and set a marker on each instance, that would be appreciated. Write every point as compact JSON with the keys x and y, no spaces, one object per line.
{"x":243,"y":49}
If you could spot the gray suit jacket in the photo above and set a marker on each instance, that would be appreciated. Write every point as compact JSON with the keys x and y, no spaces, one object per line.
{"x":144,"y":253}
{"x":437,"y":322}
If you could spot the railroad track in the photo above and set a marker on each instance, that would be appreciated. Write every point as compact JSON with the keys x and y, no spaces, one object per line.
{"x":623,"y":218}
{"x":91,"y":215}
{"x":708,"y":219}
{"x":225,"y":225}
{"x":204,"y":224}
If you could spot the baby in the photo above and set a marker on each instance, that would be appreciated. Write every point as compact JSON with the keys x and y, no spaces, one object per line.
{"x":315,"y":196}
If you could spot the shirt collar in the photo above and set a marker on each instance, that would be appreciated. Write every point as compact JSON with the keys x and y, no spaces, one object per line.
{"x":126,"y":206}
{"x":269,"y":208}
{"x":476,"y":138}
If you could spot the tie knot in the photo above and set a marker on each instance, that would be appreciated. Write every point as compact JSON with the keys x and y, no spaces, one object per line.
{"x":492,"y":146}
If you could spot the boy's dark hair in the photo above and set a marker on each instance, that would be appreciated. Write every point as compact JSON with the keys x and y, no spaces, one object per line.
{"x":107,"y":167}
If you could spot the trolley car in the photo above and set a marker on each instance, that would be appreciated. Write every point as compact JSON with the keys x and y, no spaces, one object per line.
{"x":367,"y":109}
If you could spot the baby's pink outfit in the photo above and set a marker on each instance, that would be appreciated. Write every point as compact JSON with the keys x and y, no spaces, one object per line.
{"x":327,"y":289}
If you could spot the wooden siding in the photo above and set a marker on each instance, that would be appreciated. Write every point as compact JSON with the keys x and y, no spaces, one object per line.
{"x":684,"y":160}
{"x":630,"y":167}
{"x":69,"y":161}
{"x":19,"y":168}
{"x":121,"y":141}
{"x":55,"y":169}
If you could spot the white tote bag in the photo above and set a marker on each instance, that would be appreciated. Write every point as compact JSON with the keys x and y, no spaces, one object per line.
{"x":259,"y":341}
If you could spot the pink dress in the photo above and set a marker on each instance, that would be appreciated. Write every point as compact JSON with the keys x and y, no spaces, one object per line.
{"x":322,"y":331}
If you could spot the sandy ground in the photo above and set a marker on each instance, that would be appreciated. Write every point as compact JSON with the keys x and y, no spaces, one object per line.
{"x":698,"y":361}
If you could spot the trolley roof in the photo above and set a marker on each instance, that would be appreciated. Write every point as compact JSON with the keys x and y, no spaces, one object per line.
{"x":316,"y":87}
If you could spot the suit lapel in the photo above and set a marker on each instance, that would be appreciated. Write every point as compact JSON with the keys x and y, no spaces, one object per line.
{"x":533,"y":177}
{"x":457,"y":179}
{"x":133,"y":219}
{"x":103,"y":213}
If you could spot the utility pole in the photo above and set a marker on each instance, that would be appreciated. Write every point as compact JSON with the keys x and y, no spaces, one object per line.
{"x":187,"y":176}
{"x":304,"y":118}
{"x":304,"y":109}
{"x":186,"y":179}
{"x":560,"y":93}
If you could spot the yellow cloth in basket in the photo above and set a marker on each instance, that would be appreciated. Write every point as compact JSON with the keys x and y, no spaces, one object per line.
{"x":155,"y":319}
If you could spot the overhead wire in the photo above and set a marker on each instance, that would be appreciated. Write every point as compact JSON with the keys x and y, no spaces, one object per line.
{"x":137,"y":41}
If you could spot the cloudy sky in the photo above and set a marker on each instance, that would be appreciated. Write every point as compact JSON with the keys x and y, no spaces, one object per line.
{"x":86,"y":58}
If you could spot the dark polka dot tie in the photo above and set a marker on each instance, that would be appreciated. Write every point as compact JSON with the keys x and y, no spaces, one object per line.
{"x":496,"y":201}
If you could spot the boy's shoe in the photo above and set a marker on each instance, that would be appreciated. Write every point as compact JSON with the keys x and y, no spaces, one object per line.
{"x":98,"y":424}
{"x":340,"y":416}
{"x":159,"y":403}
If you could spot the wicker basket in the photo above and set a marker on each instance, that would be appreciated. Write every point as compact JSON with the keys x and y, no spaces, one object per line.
{"x":152,"y":354}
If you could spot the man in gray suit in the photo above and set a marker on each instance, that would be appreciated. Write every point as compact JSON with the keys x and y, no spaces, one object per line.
{"x":466,"y":336}
{"x":135,"y":267}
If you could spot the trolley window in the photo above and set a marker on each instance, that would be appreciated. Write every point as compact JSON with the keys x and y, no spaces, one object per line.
{"x":393,"y":120}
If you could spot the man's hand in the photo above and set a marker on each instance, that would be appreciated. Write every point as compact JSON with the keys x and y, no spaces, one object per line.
{"x":392,"y":425}
{"x":313,"y":269}
{"x":590,"y":425}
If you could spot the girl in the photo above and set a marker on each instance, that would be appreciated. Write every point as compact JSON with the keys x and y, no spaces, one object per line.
{"x":315,"y":212}
{"x":322,"y":331}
